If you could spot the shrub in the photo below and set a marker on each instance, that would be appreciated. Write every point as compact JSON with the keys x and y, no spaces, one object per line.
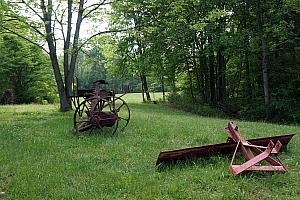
{"x":184,"y":102}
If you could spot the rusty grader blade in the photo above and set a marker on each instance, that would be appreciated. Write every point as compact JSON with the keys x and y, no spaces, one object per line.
{"x":216,"y":149}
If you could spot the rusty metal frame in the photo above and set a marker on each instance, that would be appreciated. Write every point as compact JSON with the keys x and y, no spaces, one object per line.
{"x":95,"y":100}
{"x":253,"y":154}
{"x":252,"y":148}
{"x":226,"y":148}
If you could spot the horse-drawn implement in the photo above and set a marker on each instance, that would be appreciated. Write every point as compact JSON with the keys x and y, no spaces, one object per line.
{"x":97,"y":108}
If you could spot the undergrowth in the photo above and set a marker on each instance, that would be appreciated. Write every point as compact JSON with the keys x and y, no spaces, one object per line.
{"x":281,"y":111}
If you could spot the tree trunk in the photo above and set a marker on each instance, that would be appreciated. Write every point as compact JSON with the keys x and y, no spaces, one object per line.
{"x":221,"y":83}
{"x":220,"y":59}
{"x":246,"y":51}
{"x":199,"y":79}
{"x":239,"y":74}
{"x":66,"y":63}
{"x":74,"y":51}
{"x":191,"y":86}
{"x":143,"y":91}
{"x":264,"y":62}
{"x":204,"y":70}
{"x":206,"y":79}
{"x":197,"y":67}
{"x":65,"y":105}
{"x":145,"y":86}
{"x":221,"y":75}
{"x":248,"y":76}
{"x":163,"y":88}
{"x":212,"y":72}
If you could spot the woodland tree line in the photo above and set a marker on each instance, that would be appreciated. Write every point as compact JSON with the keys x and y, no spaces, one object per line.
{"x":241,"y":56}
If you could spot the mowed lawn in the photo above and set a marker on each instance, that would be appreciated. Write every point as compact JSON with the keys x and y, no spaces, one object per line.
{"x":41,"y":158}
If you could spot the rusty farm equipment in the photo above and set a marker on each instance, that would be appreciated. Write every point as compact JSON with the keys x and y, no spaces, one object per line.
{"x":97,"y":108}
{"x":254,"y":151}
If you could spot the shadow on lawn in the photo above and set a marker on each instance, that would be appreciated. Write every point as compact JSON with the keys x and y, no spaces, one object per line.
{"x":169,"y":111}
{"x":205,"y":162}
{"x":99,"y":133}
{"x":216,"y":165}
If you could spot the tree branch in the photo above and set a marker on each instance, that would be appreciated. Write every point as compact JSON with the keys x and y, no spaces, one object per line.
{"x":67,"y":39}
{"x":96,"y":6}
{"x":112,"y":31}
{"x":53,"y":35}
{"x":25,"y":38}
{"x":133,"y":59}
{"x":103,"y":32}
{"x":59,"y":21}
{"x":75,"y":49}
{"x":32,"y":9}
{"x":26,"y":22}
{"x":61,"y":28}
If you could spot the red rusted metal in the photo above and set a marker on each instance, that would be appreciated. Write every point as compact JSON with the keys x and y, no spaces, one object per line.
{"x":253,"y":153}
{"x":216,"y":149}
{"x":257,"y":148}
{"x":100,"y":109}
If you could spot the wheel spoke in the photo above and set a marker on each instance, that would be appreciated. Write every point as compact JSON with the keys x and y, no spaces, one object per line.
{"x":82,"y":121}
{"x":80,"y":112}
{"x":118,"y":109}
{"x":82,"y":124}
{"x":124,"y":119}
{"x":83,"y":128}
{"x":105,"y":105}
{"x":116,"y":106}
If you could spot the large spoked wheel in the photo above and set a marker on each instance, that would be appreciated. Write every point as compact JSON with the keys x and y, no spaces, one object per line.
{"x":121,"y":109}
{"x":113,"y":106}
{"x":84,"y":118}
{"x":81,"y":117}
{"x":106,"y":106}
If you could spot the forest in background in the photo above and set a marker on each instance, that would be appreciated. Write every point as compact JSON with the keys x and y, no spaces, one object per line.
{"x":241,"y":57}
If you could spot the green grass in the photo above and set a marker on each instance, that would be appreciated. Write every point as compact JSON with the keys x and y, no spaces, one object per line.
{"x":40,"y":158}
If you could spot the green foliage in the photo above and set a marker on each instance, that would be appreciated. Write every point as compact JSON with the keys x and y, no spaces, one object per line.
{"x":101,"y":61}
{"x":25,"y":69}
{"x":252,"y":111}
{"x":188,"y":104}
{"x":90,"y":67}
{"x":286,"y":111}
{"x":213,"y":50}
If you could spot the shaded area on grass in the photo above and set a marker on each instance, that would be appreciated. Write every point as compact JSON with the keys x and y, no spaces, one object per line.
{"x":284,"y":111}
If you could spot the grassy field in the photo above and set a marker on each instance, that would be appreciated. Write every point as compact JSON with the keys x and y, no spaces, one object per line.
{"x":41,"y":158}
